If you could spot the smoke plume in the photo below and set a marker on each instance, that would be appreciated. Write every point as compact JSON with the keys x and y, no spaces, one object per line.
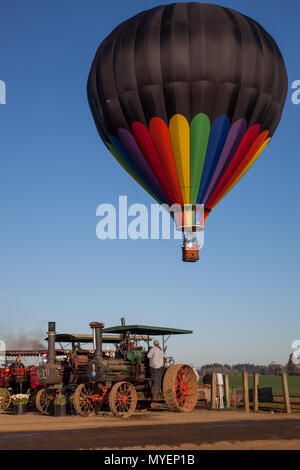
{"x":30,"y":340}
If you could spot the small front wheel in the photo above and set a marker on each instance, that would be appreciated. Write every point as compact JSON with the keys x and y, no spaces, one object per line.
{"x":123,"y":399}
{"x":84,"y":400}
{"x":5,"y":399}
{"x":44,"y":401}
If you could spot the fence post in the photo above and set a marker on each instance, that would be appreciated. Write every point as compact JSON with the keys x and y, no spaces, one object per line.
{"x":255,"y":391}
{"x":286,"y":392}
{"x":246,"y":392}
{"x":213,"y":391}
{"x":226,"y":390}
{"x":234,"y":399}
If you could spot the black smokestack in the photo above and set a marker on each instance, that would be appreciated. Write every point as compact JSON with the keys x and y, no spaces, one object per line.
{"x":51,"y":342}
{"x":97,"y":333}
{"x":123,"y":321}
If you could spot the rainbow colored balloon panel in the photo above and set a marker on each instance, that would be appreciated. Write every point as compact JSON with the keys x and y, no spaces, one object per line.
{"x":203,"y":160}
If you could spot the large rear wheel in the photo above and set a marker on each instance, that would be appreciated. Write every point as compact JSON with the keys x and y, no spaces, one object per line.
{"x":180,"y":388}
{"x":44,"y":401}
{"x":5,"y":399}
{"x":123,"y":399}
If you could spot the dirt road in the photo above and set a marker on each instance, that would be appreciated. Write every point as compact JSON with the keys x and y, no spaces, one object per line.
{"x":200,"y":429}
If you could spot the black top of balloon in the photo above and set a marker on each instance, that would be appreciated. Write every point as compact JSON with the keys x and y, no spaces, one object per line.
{"x":187,"y":58}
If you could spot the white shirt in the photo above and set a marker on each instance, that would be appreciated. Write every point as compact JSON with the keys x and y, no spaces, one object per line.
{"x":156,"y":356}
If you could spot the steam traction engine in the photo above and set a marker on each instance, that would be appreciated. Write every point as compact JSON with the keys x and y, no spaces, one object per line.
{"x":60,"y":375}
{"x":122,"y":382}
{"x":65,"y":368}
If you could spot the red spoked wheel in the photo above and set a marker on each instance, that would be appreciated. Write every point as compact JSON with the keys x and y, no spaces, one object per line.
{"x":123,"y":399}
{"x":85,"y":399}
{"x":180,"y":388}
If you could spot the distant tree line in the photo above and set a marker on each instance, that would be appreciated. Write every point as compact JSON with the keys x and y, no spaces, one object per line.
{"x":238,"y":369}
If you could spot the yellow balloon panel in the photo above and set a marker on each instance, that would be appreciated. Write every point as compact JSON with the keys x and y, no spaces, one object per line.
{"x":180,"y":138}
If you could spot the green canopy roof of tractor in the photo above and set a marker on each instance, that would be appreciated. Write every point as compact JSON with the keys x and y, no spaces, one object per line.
{"x":72,"y":338}
{"x":146,"y":330}
{"x":80,"y":338}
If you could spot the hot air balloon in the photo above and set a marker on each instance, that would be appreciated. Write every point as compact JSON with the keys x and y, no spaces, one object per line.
{"x":186,"y":97}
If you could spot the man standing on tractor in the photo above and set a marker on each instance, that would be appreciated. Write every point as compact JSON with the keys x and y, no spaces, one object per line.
{"x":156,"y":356}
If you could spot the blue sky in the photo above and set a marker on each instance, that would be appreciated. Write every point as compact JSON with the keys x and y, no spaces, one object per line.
{"x":242,"y":297}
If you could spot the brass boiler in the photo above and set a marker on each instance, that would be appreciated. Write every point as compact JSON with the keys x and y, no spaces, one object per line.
{"x":106,"y":371}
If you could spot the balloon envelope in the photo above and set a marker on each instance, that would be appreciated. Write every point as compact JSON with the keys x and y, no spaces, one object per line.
{"x":186,"y":97}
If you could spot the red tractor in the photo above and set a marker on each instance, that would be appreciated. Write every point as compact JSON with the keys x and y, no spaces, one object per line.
{"x":18,"y":378}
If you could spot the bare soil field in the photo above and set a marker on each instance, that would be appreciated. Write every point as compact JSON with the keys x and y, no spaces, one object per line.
{"x":153,"y":430}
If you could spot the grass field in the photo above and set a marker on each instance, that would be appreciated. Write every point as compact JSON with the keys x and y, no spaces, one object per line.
{"x":267,"y":381}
